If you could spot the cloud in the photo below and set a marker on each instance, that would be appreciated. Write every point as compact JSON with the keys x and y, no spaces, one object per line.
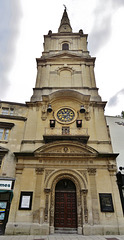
{"x":10,"y":15}
{"x":116,"y":98}
{"x":101,"y":30}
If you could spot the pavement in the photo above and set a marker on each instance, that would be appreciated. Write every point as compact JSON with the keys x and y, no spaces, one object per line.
{"x":62,"y":237}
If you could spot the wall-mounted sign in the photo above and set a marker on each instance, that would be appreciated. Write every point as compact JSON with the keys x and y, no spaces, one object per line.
{"x":5,"y":185}
{"x":25,"y":201}
{"x":106,"y":202}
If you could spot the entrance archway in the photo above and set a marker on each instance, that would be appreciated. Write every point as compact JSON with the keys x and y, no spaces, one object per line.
{"x":65,"y":205}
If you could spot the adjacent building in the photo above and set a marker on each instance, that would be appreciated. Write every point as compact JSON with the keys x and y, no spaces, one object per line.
{"x":58,"y":169}
{"x":116,"y":130}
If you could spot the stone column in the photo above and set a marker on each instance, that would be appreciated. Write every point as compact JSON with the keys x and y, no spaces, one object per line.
{"x":94,"y":199}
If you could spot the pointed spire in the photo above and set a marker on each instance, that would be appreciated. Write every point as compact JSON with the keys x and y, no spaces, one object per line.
{"x":65,"y":23}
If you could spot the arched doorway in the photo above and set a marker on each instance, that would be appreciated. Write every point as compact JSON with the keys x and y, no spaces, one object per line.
{"x":65,"y":216}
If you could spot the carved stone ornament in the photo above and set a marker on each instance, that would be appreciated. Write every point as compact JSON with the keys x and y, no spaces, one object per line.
{"x":92,"y":171}
{"x":44,"y":112}
{"x":47,"y":190}
{"x":87,"y":116}
{"x":39,"y":170}
{"x":66,"y":149}
{"x":87,"y":113}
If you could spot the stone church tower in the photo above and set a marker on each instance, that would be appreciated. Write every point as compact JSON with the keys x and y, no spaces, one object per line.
{"x":58,"y":152}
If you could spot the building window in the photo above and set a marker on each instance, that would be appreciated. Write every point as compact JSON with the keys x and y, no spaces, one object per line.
{"x":4,"y":133}
{"x":11,"y":111}
{"x":7,"y":111}
{"x":65,"y":46}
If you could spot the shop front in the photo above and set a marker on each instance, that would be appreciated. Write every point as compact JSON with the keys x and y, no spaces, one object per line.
{"x":6,"y":195}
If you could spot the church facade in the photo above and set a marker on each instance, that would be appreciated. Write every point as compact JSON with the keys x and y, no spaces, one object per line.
{"x":58,"y":170}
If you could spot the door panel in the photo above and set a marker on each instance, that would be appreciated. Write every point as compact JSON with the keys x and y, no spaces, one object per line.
{"x":65,"y":210}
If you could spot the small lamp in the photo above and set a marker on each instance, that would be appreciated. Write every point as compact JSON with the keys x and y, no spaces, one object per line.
{"x":79,"y":123}
{"x":52,"y":123}
{"x":82,"y":109}
{"x":49,"y":109}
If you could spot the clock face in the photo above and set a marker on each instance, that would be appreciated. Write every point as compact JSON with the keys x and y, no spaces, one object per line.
{"x":65,"y":115}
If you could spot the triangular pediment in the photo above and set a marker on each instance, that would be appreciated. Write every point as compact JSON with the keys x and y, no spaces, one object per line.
{"x":66,"y":147}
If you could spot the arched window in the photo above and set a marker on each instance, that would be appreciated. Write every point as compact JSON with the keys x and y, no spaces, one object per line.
{"x":65,"y":46}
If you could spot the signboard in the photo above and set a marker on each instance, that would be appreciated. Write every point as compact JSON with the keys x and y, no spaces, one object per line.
{"x":106,"y":202}
{"x":25,"y":203}
{"x":25,"y":200}
{"x":5,"y":185}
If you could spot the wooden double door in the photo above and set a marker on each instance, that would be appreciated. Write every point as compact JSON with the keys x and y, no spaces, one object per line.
{"x":65,"y":205}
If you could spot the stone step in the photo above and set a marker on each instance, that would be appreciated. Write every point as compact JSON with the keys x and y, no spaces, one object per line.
{"x":66,"y":230}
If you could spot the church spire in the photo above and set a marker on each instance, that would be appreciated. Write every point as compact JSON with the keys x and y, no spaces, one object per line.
{"x":65,"y":23}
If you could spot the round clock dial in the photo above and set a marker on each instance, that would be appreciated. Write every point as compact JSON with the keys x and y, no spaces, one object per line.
{"x":65,"y":115}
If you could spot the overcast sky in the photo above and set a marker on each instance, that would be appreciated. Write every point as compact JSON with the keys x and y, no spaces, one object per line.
{"x":23,"y":24}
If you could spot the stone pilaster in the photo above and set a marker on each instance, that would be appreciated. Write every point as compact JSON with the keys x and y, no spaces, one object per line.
{"x":85,"y":212}
{"x":36,"y":207}
{"x":94,"y":199}
{"x":47,"y":191}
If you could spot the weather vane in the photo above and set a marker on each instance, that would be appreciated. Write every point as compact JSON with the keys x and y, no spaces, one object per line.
{"x":65,"y":6}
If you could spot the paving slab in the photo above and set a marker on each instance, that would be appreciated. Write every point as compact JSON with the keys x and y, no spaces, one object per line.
{"x":61,"y":237}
